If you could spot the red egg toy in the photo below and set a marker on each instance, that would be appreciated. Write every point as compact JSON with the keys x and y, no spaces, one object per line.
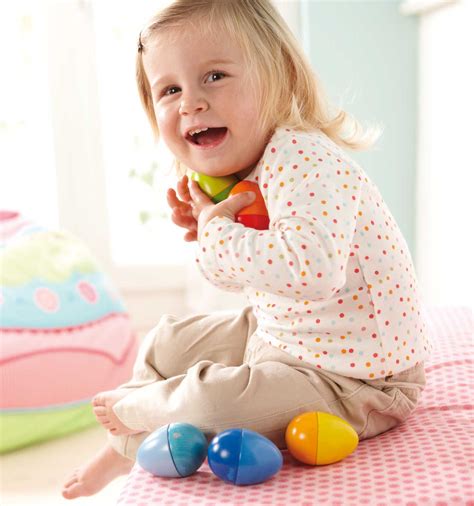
{"x":255,"y":215}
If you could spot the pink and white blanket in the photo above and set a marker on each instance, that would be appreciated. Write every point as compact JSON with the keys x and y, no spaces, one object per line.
{"x":429,"y":460}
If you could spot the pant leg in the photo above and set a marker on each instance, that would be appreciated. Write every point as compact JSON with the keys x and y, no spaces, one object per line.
{"x":176,"y":344}
{"x":266,"y":392}
{"x":262,"y":394}
{"x":404,"y":389}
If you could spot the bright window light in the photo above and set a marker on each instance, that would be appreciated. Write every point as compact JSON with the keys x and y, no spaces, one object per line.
{"x":27,"y":170}
{"x":138,"y":173}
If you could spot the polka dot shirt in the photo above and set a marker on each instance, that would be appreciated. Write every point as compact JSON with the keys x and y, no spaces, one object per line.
{"x":331,"y":281}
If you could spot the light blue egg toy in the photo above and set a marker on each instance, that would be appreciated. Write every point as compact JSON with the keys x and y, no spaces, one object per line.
{"x":175,"y":450}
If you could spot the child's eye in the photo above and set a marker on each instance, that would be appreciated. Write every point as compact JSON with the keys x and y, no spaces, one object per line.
{"x":171,"y":90}
{"x":214,"y":76}
{"x":210,"y":78}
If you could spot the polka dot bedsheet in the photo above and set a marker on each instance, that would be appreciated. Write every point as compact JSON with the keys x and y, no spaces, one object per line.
{"x":426,"y":461}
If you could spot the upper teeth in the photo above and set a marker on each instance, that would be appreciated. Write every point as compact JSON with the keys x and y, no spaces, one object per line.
{"x":194,"y":132}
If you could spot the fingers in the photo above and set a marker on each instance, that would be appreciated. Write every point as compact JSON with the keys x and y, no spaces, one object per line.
{"x":183,"y":220}
{"x":184,"y":208}
{"x":190,"y":236}
{"x":234,"y":204}
{"x":183,"y":189}
{"x":174,"y":202}
{"x":184,"y":214}
{"x":200,"y":199}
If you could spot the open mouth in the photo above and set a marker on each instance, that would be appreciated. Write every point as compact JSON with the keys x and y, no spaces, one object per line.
{"x":208,"y":137}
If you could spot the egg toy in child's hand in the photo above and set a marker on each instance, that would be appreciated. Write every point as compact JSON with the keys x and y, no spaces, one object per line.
{"x":319,"y":438}
{"x":216,"y":188}
{"x":175,"y":450}
{"x":219,"y":188}
{"x":243,"y":457}
{"x":255,"y":215}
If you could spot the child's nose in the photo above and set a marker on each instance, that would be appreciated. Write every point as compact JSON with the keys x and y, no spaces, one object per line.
{"x":193,"y":105}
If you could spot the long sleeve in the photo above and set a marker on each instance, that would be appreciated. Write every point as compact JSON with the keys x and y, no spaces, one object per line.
{"x":331,"y":282}
{"x":312,"y":196}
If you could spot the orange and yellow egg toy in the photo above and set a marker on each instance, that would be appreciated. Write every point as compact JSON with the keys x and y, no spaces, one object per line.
{"x":319,"y":438}
{"x":255,"y":215}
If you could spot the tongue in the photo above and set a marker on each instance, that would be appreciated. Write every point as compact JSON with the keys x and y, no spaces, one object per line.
{"x":211,"y":136}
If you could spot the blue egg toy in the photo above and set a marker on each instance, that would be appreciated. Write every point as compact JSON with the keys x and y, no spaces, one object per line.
{"x":243,"y":457}
{"x":175,"y":450}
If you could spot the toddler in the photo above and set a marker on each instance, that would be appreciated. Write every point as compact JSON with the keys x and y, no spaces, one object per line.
{"x":334,"y":320}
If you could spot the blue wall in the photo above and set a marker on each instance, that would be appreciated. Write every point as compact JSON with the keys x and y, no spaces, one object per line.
{"x":365,"y":53}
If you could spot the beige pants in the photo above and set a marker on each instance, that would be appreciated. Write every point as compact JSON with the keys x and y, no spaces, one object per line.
{"x":212,"y":371}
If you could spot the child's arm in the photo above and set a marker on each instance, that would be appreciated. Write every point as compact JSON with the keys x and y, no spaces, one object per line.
{"x":206,"y":210}
{"x":312,"y":222}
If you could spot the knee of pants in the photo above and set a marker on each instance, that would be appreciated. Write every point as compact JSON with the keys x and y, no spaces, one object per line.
{"x":214,"y":392}
{"x":380,"y":420}
{"x":159,"y":347}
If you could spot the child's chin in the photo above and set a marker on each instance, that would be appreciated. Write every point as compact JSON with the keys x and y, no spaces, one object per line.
{"x":210,"y":171}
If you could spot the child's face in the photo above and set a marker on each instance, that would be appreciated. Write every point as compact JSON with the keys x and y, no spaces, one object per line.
{"x":199,"y":82}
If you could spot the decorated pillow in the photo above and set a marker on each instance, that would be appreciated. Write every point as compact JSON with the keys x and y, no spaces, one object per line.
{"x":65,"y":334}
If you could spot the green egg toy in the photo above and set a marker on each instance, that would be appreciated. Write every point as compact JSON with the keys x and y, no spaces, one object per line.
{"x":216,"y":188}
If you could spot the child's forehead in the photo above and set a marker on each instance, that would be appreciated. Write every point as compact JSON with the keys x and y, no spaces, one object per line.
{"x":213,"y":39}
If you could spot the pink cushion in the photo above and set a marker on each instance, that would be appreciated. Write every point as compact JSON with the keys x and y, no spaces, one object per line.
{"x":52,"y":362}
{"x":426,"y":461}
{"x":64,"y":333}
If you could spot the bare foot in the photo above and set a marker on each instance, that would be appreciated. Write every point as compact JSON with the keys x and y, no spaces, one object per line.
{"x":97,"y":473}
{"x":102,"y":407}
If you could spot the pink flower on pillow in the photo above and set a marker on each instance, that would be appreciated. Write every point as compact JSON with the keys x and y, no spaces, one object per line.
{"x":87,"y":291}
{"x":46,"y":300}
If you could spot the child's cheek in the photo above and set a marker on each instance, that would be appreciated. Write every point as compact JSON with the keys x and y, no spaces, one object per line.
{"x":161,"y":115}
{"x":165,"y":124}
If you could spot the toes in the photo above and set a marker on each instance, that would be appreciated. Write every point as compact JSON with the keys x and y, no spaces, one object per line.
{"x":99,"y":400}
{"x":99,"y":410}
{"x":100,"y":416}
{"x":65,"y":494}
{"x":75,"y":490}
{"x":71,"y":487}
{"x":104,"y":421}
{"x":72,"y":479}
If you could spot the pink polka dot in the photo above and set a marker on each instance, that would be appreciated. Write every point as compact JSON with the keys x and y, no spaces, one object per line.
{"x":87,"y":292}
{"x":46,"y":300}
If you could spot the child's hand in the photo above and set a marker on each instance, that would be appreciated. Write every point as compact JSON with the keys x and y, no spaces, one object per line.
{"x":183,"y":214}
{"x":204,"y":209}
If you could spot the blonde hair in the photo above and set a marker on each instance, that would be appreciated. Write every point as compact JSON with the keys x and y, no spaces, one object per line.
{"x":290,"y":92}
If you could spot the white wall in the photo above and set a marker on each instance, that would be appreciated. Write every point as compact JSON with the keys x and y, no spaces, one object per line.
{"x":445,"y":162}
